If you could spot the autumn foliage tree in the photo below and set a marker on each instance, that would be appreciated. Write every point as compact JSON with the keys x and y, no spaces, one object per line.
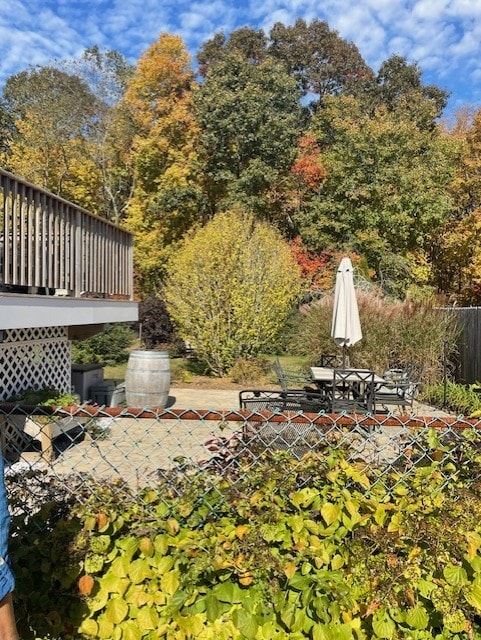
{"x":456,"y":259}
{"x":51,"y":113}
{"x":291,"y":125}
{"x":167,"y":198}
{"x":385,"y":185}
{"x":230,"y":288}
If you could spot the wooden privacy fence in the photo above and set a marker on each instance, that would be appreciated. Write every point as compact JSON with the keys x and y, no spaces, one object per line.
{"x":467,"y":368}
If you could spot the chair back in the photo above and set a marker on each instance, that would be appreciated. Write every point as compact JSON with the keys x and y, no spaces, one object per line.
{"x":289,"y":379}
{"x":333,"y":360}
{"x":353,"y":391}
{"x":272,"y":400}
{"x":402,"y":386}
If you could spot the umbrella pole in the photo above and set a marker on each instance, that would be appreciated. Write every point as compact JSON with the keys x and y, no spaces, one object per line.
{"x":344,"y":351}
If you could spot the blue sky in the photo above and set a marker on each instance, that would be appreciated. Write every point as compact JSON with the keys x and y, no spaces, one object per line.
{"x":443,"y":36}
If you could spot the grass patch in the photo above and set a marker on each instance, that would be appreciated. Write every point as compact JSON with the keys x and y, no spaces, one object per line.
{"x":115,"y":371}
{"x":187,"y":371}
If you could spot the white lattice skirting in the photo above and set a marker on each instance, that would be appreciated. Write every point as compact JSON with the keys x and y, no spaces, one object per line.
{"x":34,"y":359}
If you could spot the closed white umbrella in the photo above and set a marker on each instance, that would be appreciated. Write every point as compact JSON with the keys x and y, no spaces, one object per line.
{"x":346,"y":326}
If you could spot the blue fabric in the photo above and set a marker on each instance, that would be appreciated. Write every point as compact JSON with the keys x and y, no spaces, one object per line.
{"x":7,"y":581}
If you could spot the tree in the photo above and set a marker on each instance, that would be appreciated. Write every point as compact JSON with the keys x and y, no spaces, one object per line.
{"x":66,"y":131}
{"x":398,"y":85}
{"x":230,"y":288}
{"x":51,"y":114}
{"x":385,"y":190}
{"x":167,"y":198}
{"x":247,"y":42}
{"x":466,"y":186}
{"x":456,"y":259}
{"x":321,"y":62}
{"x":249,"y":118}
{"x":110,"y":140}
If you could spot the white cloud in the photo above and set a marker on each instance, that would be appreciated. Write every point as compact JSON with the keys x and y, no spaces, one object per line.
{"x":444,"y":36}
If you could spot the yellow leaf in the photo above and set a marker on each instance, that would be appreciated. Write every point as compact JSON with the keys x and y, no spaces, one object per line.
{"x":290,"y":569}
{"x":241,"y":530}
{"x":330,"y":512}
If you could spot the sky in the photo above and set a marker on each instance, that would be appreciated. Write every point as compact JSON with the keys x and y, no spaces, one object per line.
{"x":442,"y":36}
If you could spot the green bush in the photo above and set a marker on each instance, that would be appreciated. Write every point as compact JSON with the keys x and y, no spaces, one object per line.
{"x":316,"y":551}
{"x":454,"y":397}
{"x":230,"y":287}
{"x":393,"y":333}
{"x":108,"y":347}
{"x":250,"y":370}
{"x":46,"y":397}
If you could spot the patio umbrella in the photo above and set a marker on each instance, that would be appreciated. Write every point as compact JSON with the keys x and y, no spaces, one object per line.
{"x":346,"y":327}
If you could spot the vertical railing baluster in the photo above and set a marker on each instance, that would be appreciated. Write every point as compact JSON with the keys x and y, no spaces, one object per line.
{"x":48,"y":242}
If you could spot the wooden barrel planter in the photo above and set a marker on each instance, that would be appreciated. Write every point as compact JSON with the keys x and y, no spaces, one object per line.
{"x":147,"y":379}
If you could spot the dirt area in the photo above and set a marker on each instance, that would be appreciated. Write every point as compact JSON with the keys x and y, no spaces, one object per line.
{"x":205,"y":382}
{"x":211,"y":382}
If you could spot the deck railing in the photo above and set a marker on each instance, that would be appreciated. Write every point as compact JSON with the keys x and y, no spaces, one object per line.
{"x":49,"y":245}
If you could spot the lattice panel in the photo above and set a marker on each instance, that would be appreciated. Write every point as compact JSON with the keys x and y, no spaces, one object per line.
{"x":33,"y":359}
{"x":38,"y":333}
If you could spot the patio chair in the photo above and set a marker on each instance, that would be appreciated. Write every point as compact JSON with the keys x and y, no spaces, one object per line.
{"x":289,"y":379}
{"x":401,"y":389}
{"x":333,"y":360}
{"x":272,"y":400}
{"x":260,"y":435}
{"x":353,"y":391}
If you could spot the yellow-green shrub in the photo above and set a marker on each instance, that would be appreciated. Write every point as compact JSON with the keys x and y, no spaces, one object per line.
{"x":317,"y":550}
{"x":230,"y":288}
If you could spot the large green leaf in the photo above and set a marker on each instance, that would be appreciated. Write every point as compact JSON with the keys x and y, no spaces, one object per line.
{"x":304,"y":497}
{"x":417,"y":618}
{"x":131,"y":630}
{"x":299,"y":582}
{"x":120,"y":566}
{"x":99,"y":600}
{"x":296,"y":523}
{"x":139,"y":570}
{"x":246,"y":623}
{"x":192,"y":625}
{"x":321,"y":632}
{"x":383,"y":626}
{"x":147,"y":618}
{"x":213,"y":607}
{"x":170,"y":582}
{"x":229,"y":592}
{"x":330,"y":512}
{"x":89,"y":628}
{"x":331,"y":632}
{"x":455,"y":575}
{"x":106,"y":627}
{"x":116,"y":610}
{"x":114,"y":584}
{"x":472,"y":593}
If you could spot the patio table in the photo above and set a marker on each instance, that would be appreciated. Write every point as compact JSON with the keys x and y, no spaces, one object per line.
{"x":324,"y":376}
{"x":324,"y":379}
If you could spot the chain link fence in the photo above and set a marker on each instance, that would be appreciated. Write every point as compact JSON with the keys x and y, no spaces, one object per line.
{"x":71,"y":453}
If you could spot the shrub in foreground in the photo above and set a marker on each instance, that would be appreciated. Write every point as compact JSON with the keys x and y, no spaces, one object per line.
{"x":317,"y":551}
